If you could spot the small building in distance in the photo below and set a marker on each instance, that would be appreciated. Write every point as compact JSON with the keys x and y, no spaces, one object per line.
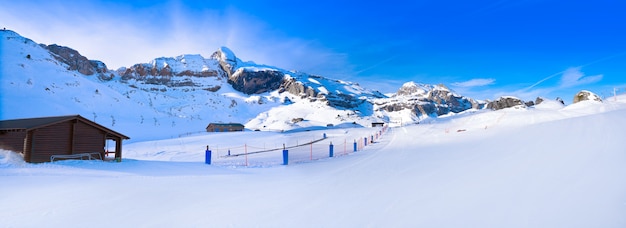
{"x":40,"y":139}
{"x":224,"y":127}
{"x":378,"y":124}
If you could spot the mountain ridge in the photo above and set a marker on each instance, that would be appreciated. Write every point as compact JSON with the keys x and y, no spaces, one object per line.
{"x":195,"y":91}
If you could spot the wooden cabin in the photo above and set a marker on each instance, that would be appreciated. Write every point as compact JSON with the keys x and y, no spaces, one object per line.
{"x":41,"y":139}
{"x":224,"y":127}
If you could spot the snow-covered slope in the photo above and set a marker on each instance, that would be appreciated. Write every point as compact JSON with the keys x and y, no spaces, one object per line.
{"x":173,"y":96}
{"x":182,"y":94}
{"x":547,"y":166}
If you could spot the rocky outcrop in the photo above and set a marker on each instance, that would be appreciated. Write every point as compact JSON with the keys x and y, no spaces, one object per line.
{"x":75,"y":61}
{"x":339,"y":100}
{"x":226,"y":59}
{"x":505,"y":102}
{"x":252,"y":81}
{"x":248,"y":80}
{"x":585,"y":95}
{"x":297,"y":88}
{"x":173,"y":72}
{"x":411,"y":89}
{"x":539,"y":100}
{"x":427,"y":100}
{"x":140,"y":71}
{"x":450,"y":101}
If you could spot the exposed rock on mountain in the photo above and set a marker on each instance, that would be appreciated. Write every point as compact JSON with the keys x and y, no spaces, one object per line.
{"x":539,"y":100}
{"x":173,"y":72}
{"x":506,"y":102}
{"x":427,"y":100}
{"x":297,"y":88}
{"x":456,"y":103}
{"x":256,"y":81}
{"x":585,"y":95}
{"x":75,"y":61}
{"x":226,"y":59}
{"x":247,"y":79}
{"x":184,"y":65}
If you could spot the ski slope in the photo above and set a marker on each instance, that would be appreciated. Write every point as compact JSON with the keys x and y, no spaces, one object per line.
{"x":548,"y":166}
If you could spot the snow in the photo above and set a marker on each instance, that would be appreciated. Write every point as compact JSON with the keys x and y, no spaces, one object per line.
{"x":548,"y":165}
{"x":254,"y":69}
{"x":139,"y":108}
{"x":314,"y":81}
{"x":227,"y":55}
{"x":322,"y":90}
{"x":535,"y":167}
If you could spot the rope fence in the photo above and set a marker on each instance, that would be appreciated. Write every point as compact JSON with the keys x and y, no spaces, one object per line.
{"x":301,"y":152}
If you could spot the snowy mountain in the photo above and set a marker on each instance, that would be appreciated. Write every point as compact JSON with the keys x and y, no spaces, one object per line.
{"x":187,"y":92}
{"x":414,"y":102}
{"x":183,"y":93}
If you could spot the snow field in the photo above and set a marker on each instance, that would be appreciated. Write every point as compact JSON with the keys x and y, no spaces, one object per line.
{"x":557,"y":168}
{"x":256,"y":148}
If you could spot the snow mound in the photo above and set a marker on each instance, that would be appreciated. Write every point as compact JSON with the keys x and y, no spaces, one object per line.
{"x":10,"y":158}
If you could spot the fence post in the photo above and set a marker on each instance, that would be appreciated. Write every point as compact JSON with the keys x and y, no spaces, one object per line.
{"x":285,"y":156}
{"x":355,"y":145}
{"x":311,"y":150}
{"x":330,"y":153}
{"x":365,"y":142}
{"x":207,"y":155}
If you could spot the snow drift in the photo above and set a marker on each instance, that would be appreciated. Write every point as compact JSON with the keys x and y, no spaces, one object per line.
{"x":548,"y":166}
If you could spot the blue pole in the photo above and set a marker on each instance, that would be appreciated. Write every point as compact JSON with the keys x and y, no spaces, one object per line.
{"x":207,"y":156}
{"x":324,"y":135}
{"x":285,"y":157}
{"x":355,"y":145}
{"x":330,"y":153}
{"x":365,"y":140}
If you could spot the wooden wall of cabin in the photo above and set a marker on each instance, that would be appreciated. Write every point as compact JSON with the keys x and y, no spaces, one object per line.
{"x":51,"y":140}
{"x":88,"y":139}
{"x":12,"y":140}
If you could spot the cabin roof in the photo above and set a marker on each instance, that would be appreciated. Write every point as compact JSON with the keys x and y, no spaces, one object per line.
{"x":226,"y":124}
{"x":28,"y":124}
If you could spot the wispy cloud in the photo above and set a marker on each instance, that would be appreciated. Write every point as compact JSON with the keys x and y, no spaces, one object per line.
{"x":574,"y":77}
{"x":375,"y":65}
{"x":564,"y":84}
{"x":121,"y":34}
{"x":476,"y":82}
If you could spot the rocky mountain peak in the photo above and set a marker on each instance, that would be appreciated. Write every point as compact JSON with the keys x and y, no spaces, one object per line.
{"x":585,"y":95}
{"x":411,"y":88}
{"x":506,"y":102}
{"x":227,"y":60}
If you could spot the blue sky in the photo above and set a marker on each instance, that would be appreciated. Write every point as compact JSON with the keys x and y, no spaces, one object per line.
{"x":482,"y":49}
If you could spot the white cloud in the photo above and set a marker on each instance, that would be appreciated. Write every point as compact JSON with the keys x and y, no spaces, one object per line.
{"x":574,"y":77}
{"x":121,"y":35}
{"x":476,"y":82}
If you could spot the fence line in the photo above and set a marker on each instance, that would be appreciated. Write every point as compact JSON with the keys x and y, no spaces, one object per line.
{"x":308,"y":151}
